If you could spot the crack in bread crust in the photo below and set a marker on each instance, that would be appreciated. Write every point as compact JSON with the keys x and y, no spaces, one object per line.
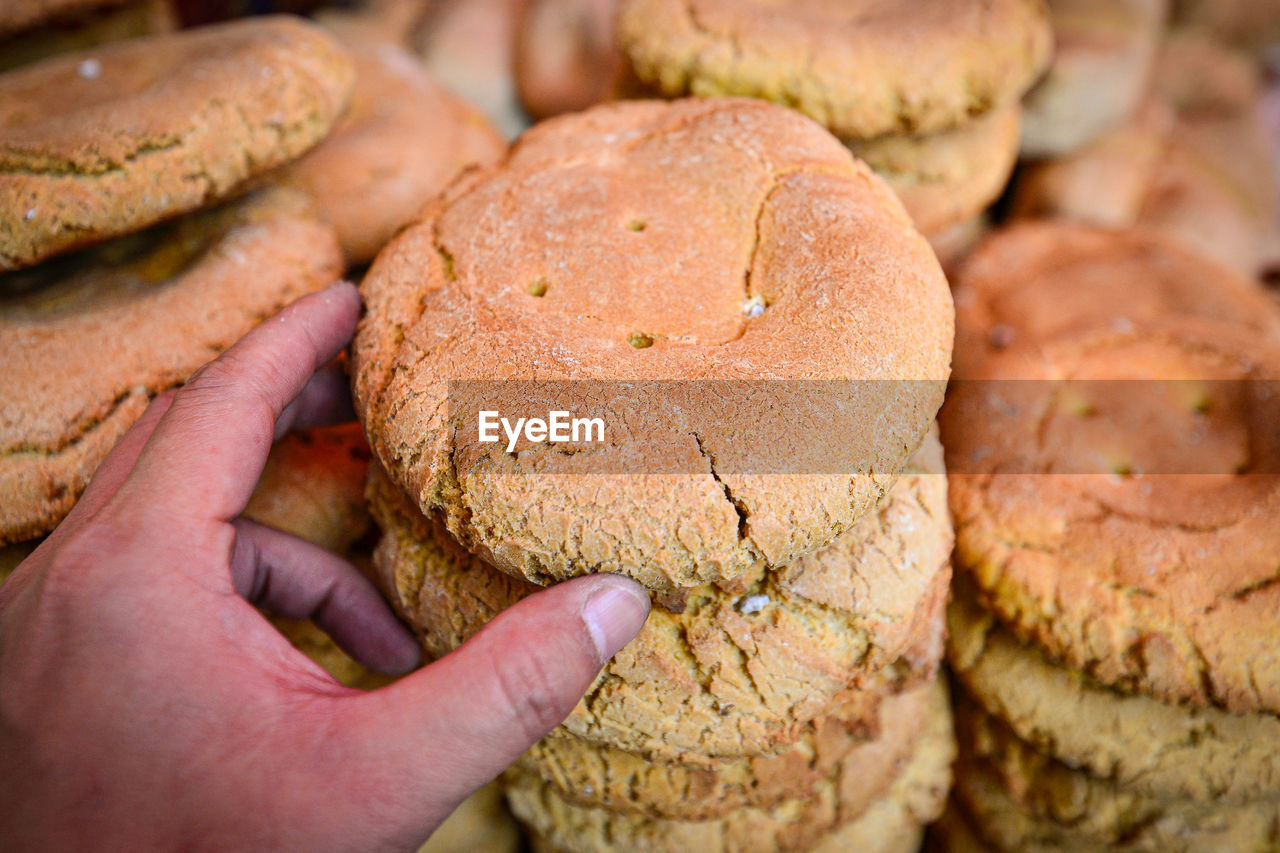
{"x":714,"y":679}
{"x":817,"y":239}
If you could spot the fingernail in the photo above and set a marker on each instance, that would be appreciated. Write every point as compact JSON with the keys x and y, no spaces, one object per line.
{"x":614,"y":613}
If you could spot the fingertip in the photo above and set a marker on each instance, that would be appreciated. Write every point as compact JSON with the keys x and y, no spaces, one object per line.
{"x":614,"y":612}
{"x":401,"y":653}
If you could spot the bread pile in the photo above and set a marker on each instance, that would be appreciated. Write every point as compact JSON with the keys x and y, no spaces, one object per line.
{"x":1115,"y":480}
{"x":927,"y":94}
{"x":782,"y":695}
{"x":150,"y":215}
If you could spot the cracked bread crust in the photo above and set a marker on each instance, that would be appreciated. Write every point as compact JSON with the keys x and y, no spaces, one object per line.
{"x":820,"y":819}
{"x":1035,"y":281}
{"x":1161,"y":583}
{"x":869,"y":726}
{"x":668,"y":221}
{"x":401,"y":141}
{"x":719,"y":677}
{"x":946,"y":178}
{"x":1159,"y":750}
{"x":87,"y":341}
{"x":862,"y":69}
{"x":192,"y":116}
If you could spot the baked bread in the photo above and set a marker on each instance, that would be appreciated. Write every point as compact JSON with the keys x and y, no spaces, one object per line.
{"x":692,"y":249}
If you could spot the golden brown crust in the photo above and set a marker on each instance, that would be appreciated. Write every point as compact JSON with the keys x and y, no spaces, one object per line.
{"x":1103,"y":54}
{"x":1148,"y":558}
{"x":1070,"y":804}
{"x":1150,"y":747}
{"x":192,"y":116}
{"x":745,"y":665}
{"x":861,"y":69}
{"x":86,"y":341}
{"x":401,"y":141}
{"x":1035,"y":281}
{"x":822,"y":819}
{"x":670,"y":220}
{"x":946,"y":178}
{"x":868,"y":728}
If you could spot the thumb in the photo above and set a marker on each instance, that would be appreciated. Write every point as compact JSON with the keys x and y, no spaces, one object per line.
{"x":452,"y":727}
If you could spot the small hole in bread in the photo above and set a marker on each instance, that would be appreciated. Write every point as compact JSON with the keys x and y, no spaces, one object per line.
{"x":637,"y":225}
{"x":639,"y":340}
{"x":538,"y":287}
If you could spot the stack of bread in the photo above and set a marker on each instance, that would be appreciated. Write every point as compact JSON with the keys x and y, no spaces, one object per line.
{"x":928,"y":95}
{"x":1115,"y":484}
{"x":783,"y":693}
{"x":150,"y":215}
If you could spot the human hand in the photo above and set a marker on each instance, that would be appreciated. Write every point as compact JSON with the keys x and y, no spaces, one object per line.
{"x":145,"y":703}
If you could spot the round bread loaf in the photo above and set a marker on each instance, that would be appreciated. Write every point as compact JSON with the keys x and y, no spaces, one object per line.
{"x":108,"y":141}
{"x":1115,"y":498}
{"x":1073,"y":804}
{"x":861,"y":68}
{"x":692,"y":248}
{"x":86,"y":341}
{"x":737,"y":669}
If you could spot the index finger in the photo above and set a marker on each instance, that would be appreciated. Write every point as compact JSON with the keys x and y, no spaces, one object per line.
{"x":206,"y":454}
